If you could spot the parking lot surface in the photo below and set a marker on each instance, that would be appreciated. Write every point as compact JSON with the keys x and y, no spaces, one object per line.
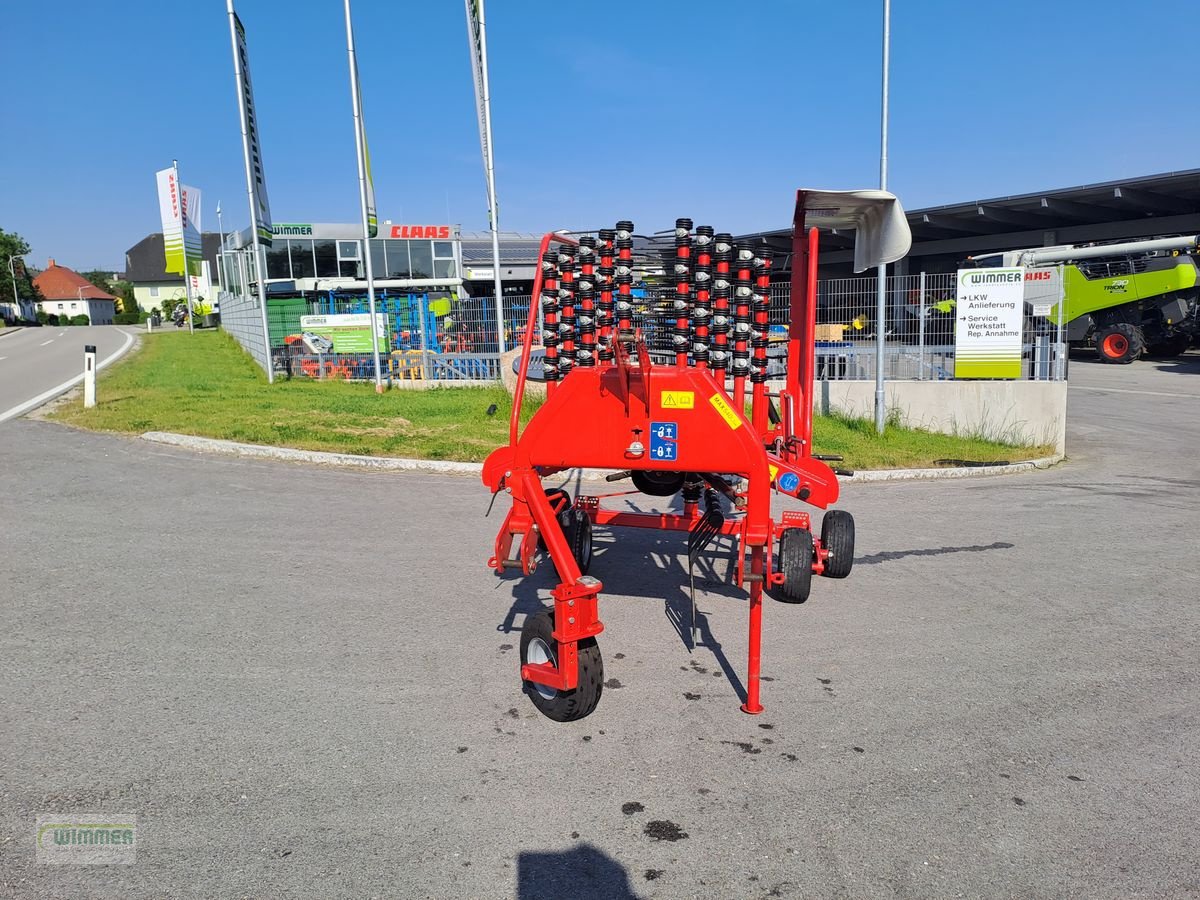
{"x":303,"y":682}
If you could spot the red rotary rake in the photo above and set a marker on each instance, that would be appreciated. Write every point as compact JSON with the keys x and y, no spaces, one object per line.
{"x":674,"y":429}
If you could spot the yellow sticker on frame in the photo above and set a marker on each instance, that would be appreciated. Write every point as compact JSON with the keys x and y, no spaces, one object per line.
{"x":721,"y":405}
{"x":678,"y":400}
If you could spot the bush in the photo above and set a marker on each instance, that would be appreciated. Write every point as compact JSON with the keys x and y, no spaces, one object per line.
{"x":51,"y":320}
{"x":129,"y":318}
{"x":43,"y":316}
{"x":80,"y":320}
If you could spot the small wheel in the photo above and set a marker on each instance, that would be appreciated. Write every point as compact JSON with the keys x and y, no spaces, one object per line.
{"x":577,"y":529}
{"x":657,"y":484}
{"x":837,"y":536}
{"x":1121,"y":343}
{"x":796,"y":562}
{"x":538,"y":646}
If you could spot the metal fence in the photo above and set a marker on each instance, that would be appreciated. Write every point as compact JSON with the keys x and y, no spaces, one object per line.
{"x":443,"y":337}
{"x":242,"y":318}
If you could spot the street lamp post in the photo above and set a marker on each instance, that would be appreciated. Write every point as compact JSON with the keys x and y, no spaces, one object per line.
{"x":881,"y":274}
{"x":221,"y":251}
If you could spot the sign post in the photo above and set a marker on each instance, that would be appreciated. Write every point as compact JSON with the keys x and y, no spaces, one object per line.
{"x":988,"y":319}
{"x":477,"y":37}
{"x":256,"y":183}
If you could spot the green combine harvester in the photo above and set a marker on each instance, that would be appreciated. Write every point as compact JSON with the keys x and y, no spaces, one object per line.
{"x":1125,"y":300}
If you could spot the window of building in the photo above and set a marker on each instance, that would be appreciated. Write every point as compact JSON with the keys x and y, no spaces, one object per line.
{"x":378,"y":259}
{"x":326,"y":256}
{"x":60,"y":306}
{"x":397,"y":259}
{"x":277,"y":261}
{"x":74,"y":305}
{"x":421,"y":255}
{"x":154,"y":290}
{"x":303,"y":265}
{"x":349,"y":259}
{"x":443,"y":259}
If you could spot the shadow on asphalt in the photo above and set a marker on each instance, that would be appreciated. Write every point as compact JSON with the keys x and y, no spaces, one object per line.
{"x":584,"y":871}
{"x":889,"y":555}
{"x":646,"y":564}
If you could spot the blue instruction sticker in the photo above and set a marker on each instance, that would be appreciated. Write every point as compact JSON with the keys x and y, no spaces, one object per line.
{"x":664,"y":440}
{"x":788,"y":482}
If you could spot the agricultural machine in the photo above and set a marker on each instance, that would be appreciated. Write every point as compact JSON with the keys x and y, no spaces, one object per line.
{"x":679,"y":430}
{"x":1123,"y":299}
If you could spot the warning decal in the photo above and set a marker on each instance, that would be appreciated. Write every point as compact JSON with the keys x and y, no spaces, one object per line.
{"x":721,"y":405}
{"x":678,"y":400}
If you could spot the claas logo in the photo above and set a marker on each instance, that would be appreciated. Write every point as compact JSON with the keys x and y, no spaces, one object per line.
{"x":1037,"y":276}
{"x":439,"y":232}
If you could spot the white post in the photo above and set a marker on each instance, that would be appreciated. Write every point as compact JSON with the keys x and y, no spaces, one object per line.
{"x":881,"y":287}
{"x":89,"y":375}
{"x":187,"y":281}
{"x":259,"y":259}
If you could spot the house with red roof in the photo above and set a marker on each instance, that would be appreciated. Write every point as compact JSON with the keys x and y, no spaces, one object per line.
{"x":69,"y":294}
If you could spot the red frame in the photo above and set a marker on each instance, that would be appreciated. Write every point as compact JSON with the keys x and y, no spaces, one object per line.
{"x":600,"y":417}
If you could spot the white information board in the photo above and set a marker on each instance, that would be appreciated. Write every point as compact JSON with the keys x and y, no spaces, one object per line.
{"x":989,"y":315}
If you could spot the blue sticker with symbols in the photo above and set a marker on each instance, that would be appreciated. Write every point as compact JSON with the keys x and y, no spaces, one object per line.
{"x":788,"y":482}
{"x":664,"y":440}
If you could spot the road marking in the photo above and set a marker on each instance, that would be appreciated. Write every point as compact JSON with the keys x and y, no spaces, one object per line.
{"x":3,"y":357}
{"x":1128,"y":391}
{"x":44,"y":343}
{"x":41,"y":398}
{"x":61,"y":333}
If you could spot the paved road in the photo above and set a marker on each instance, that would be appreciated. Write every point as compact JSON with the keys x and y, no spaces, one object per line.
{"x":302,"y":683}
{"x":39,"y":362}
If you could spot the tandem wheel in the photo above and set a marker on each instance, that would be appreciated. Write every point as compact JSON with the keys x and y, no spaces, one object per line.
{"x":539,"y":646}
{"x":796,"y":552}
{"x":837,"y":536}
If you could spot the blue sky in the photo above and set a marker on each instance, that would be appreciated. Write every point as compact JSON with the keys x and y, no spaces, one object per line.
{"x":713,"y":110}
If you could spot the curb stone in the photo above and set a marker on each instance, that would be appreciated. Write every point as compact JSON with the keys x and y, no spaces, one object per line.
{"x":445,"y":467}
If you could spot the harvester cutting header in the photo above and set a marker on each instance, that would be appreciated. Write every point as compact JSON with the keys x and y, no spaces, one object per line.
{"x":676,"y":429}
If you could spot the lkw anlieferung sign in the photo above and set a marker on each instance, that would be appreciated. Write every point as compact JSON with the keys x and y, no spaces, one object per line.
{"x":989,"y":314}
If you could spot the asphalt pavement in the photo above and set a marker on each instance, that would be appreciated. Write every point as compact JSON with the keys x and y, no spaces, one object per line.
{"x":37,"y":363}
{"x":303,"y":682}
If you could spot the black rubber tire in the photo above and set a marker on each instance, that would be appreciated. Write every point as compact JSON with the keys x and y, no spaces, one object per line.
{"x":1171,"y":347}
{"x":837,"y":536}
{"x":795,"y":561}
{"x":658,"y":484}
{"x":1120,"y":344}
{"x":552,"y":496}
{"x":577,"y":529}
{"x":564,"y":706}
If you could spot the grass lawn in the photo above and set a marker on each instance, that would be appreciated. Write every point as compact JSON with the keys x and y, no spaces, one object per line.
{"x":204,"y":384}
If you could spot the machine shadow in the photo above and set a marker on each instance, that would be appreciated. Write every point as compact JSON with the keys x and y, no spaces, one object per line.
{"x":583,"y":871}
{"x":649,"y":564}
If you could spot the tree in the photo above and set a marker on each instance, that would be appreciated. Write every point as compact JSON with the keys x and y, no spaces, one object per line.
{"x":13,"y":247}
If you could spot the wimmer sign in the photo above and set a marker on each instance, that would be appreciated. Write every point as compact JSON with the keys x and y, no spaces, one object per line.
{"x":989,"y":316}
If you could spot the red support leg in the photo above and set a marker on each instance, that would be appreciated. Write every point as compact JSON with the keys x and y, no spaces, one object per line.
{"x":754,"y":655}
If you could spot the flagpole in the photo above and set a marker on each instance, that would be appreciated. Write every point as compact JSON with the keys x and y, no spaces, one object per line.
{"x":360,"y":146}
{"x":187,"y":281}
{"x":259,"y":261}
{"x":483,"y":98}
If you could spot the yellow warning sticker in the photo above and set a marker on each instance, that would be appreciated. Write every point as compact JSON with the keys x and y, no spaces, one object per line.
{"x":721,"y":405}
{"x":678,"y":400}
{"x":774,"y":470}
